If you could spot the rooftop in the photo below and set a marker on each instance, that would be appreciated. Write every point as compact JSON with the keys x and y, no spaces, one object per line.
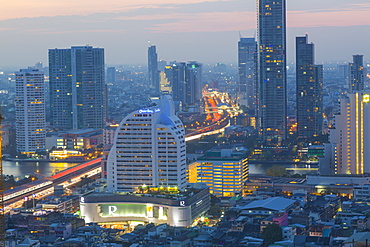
{"x":273,"y":203}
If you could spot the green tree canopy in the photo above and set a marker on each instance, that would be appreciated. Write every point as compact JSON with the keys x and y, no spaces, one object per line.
{"x":272,"y":233}
{"x":276,"y":171}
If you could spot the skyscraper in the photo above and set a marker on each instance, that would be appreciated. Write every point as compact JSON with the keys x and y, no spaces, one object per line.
{"x":309,"y":90}
{"x":77,"y":87}
{"x":30,"y":111}
{"x":153,"y":67}
{"x":272,"y":100}
{"x":247,"y":65}
{"x":193,"y":83}
{"x":175,"y":73}
{"x":347,"y":152}
{"x":149,"y":149}
{"x":356,"y":74}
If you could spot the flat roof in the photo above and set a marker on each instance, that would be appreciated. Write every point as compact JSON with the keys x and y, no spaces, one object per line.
{"x":273,"y":203}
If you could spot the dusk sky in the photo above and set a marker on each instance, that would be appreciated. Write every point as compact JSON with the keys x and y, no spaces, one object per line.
{"x":205,"y":31}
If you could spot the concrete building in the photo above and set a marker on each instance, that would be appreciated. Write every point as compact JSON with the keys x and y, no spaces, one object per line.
{"x":153,"y":72}
{"x":356,"y":74}
{"x":149,"y":149}
{"x":30,"y":111}
{"x":247,"y":66}
{"x":272,"y":98}
{"x":153,"y":205}
{"x":349,"y":139}
{"x":309,"y":82}
{"x":77,"y":88}
{"x":223,"y":170}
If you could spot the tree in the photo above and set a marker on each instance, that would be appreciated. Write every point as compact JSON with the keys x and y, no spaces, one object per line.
{"x":276,"y":171}
{"x":272,"y":233}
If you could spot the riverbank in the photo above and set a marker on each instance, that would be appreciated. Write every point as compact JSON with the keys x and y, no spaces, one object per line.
{"x":44,"y":160}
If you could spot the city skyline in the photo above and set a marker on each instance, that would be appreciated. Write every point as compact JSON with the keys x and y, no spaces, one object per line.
{"x":199,"y":27}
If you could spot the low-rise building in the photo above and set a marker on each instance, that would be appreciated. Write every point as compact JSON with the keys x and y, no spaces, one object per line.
{"x":153,"y":205}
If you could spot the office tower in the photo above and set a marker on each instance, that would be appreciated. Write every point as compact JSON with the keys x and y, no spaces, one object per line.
{"x":77,"y":88}
{"x":309,"y":90}
{"x":165,"y":84}
{"x":193,"y":83}
{"x":162,"y":65}
{"x":153,"y":73}
{"x":111,"y":75}
{"x":149,"y":150}
{"x":30,"y":111}
{"x":272,"y":100}
{"x":347,"y":152}
{"x":247,"y":65}
{"x":356,"y":74}
{"x":222,"y":169}
{"x":175,"y":73}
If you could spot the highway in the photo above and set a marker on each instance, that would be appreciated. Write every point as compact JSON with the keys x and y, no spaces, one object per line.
{"x":43,"y":187}
{"x":218,"y":108}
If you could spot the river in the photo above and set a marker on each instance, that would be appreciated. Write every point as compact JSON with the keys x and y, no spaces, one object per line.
{"x":19,"y":169}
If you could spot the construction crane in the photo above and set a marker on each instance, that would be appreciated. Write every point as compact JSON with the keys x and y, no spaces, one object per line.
{"x":2,"y":213}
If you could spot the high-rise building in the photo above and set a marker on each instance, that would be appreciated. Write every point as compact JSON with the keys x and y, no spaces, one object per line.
{"x":186,"y":82}
{"x":30,"y":111}
{"x":153,"y":73}
{"x":347,"y":152}
{"x":111,"y":75}
{"x":247,"y":65}
{"x":149,"y":150}
{"x":272,"y":100}
{"x":193,"y":83}
{"x":77,"y":88}
{"x":309,"y":90}
{"x":356,"y":74}
{"x":175,"y":73}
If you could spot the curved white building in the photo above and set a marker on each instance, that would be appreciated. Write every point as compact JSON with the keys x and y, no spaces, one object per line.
{"x":149,"y":149}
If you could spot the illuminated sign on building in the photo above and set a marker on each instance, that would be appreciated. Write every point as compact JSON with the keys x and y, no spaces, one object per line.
{"x":149,"y":110}
{"x":133,"y":210}
{"x":366,"y":98}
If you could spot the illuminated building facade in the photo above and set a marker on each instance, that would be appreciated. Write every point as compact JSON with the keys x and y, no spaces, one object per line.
{"x":77,"y":88}
{"x":272,"y":100}
{"x":223,"y":171}
{"x":153,"y":67}
{"x":356,"y":74}
{"x":30,"y":111}
{"x":347,"y":152}
{"x":149,"y":149}
{"x":309,"y":82}
{"x":247,"y":65}
{"x":165,"y":84}
{"x":146,"y":207}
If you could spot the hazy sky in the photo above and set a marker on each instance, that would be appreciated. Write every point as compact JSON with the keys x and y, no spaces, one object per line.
{"x":205,"y":31}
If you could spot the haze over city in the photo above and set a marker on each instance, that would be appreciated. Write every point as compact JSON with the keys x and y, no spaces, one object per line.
{"x":205,"y":31}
